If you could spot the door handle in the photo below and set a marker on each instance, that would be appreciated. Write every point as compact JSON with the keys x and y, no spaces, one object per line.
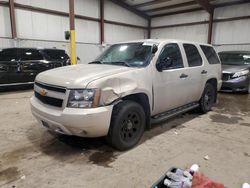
{"x":183,"y":75}
{"x":204,"y":72}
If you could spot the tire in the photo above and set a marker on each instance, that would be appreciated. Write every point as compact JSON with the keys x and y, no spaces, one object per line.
{"x":127,"y":125}
{"x":208,"y":98}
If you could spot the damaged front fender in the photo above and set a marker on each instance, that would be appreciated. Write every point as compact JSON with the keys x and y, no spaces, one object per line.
{"x":115,"y":87}
{"x":108,"y":95}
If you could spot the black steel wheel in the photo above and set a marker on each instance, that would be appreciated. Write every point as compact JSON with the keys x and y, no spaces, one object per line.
{"x":127,"y":125}
{"x":208,"y":98}
{"x":130,"y":126}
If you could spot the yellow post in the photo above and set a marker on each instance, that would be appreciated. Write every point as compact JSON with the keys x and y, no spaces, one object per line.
{"x":72,"y":47}
{"x":72,"y":32}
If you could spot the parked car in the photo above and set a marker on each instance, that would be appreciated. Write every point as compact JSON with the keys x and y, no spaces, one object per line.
{"x":235,"y":71}
{"x":126,"y":89}
{"x":20,"y":66}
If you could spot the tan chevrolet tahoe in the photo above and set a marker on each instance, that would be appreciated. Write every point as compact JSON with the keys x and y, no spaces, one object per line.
{"x":129,"y":87}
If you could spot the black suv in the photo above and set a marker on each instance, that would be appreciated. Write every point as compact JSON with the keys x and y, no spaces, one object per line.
{"x":20,"y":66}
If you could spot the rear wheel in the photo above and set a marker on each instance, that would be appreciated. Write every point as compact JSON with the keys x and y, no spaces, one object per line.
{"x":208,"y":98}
{"x":127,"y":125}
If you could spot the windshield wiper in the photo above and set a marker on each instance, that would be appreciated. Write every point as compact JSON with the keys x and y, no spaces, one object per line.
{"x":95,"y":62}
{"x":120,"y":63}
{"x":123,"y":63}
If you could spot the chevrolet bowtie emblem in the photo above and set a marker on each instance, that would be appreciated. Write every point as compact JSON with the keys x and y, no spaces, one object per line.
{"x":43,"y":92}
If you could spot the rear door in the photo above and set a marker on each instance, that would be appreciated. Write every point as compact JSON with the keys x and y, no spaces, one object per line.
{"x":213,"y":65}
{"x":196,"y":72}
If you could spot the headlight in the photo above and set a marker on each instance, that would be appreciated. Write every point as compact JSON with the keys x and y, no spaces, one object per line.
{"x":84,"y":98}
{"x":241,"y":73}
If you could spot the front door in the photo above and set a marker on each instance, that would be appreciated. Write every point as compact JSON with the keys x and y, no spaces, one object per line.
{"x":170,"y":82}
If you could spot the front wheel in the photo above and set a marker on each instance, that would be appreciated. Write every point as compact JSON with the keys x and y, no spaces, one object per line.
{"x":208,"y":98}
{"x":127,"y":125}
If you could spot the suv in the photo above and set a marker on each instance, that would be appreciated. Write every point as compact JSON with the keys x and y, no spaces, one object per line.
{"x":126,"y":89}
{"x":20,"y":66}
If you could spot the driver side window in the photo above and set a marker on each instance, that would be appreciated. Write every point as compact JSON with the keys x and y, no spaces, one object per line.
{"x":170,"y":57}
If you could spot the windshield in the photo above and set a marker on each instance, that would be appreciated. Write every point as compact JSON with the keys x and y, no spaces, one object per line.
{"x":129,"y":54}
{"x":235,"y":58}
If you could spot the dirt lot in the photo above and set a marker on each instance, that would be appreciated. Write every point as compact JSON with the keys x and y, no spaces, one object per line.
{"x":32,"y":157}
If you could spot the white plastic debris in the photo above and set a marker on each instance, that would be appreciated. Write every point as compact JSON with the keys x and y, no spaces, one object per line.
{"x":23,"y":177}
{"x":206,"y":157}
{"x":194,"y":168}
{"x":245,"y":185}
{"x":167,"y":182}
{"x":175,"y":132}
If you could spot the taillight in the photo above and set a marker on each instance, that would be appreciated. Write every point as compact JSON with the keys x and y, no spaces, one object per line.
{"x":68,"y":62}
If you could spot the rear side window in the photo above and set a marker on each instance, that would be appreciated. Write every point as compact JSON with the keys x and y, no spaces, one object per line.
{"x":56,"y":54}
{"x":193,"y":55}
{"x":31,"y":54}
{"x":210,"y":54}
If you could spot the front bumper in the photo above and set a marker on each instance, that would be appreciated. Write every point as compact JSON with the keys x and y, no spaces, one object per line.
{"x":236,"y":84}
{"x":93,"y":122}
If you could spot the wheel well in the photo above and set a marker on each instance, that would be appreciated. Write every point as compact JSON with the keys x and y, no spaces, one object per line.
{"x":213,"y":82}
{"x":142,"y":99}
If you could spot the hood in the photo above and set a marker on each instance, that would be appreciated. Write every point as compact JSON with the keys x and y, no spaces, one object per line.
{"x":234,"y":68}
{"x":78,"y":76}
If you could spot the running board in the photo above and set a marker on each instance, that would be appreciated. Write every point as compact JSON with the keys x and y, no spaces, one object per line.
{"x":171,"y":113}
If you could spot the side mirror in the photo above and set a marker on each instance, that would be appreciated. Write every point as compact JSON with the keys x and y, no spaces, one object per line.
{"x":159,"y":66}
{"x":154,"y":49}
{"x":164,"y":63}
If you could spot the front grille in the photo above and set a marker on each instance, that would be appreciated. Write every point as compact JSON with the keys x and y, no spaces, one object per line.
{"x":52,"y":88}
{"x":49,"y":100}
{"x":227,"y":76}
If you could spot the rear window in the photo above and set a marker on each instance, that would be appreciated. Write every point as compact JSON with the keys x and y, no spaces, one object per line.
{"x":9,"y":55}
{"x":210,"y":54}
{"x":56,"y":54}
{"x":193,"y":55}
